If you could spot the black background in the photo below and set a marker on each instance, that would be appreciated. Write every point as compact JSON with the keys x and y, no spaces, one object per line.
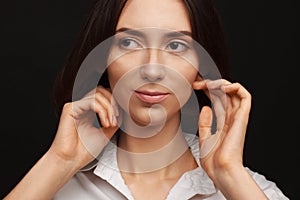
{"x":263,"y":38}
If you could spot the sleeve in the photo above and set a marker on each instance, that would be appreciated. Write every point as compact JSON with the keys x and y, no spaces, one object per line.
{"x":269,"y":188}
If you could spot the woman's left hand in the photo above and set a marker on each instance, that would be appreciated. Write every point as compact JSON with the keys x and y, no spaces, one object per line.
{"x":221,"y":154}
{"x":231,"y":102}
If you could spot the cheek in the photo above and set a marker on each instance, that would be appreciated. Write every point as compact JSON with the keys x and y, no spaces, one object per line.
{"x":190,"y":75}
{"x":185,"y":65}
{"x":186,"y":71}
{"x":120,"y":66}
{"x":115,"y":71}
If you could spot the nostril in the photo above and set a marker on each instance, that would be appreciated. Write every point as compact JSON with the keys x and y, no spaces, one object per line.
{"x":152,"y":72}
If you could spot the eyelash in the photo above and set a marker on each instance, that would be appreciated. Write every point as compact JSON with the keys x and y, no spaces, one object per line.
{"x":140,"y":46}
{"x":121,"y":43}
{"x":182,"y":44}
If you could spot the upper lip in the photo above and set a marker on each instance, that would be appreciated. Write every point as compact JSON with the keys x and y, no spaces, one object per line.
{"x":151,"y":93}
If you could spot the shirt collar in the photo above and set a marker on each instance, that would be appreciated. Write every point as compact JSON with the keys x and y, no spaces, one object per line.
{"x":191,"y":183}
{"x":195,"y":181}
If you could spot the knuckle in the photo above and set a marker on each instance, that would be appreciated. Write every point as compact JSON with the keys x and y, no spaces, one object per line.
{"x":224,"y":81}
{"x":68,"y":106}
{"x":99,"y":89}
{"x":101,"y":111}
{"x":98,"y":108}
{"x":97,"y":95}
{"x":249,"y":95}
{"x":238,"y":84}
{"x":68,"y":109}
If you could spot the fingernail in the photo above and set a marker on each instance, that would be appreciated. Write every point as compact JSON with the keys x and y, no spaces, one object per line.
{"x":112,"y":122}
{"x":115,"y":121}
{"x":106,"y":122}
{"x":116,"y":110}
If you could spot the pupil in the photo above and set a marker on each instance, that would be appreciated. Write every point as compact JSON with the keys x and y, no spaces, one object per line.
{"x":126,"y":43}
{"x":174,"y":45}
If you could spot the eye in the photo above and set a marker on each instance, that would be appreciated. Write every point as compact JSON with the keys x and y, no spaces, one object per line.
{"x":177,"y":46}
{"x":128,"y":43}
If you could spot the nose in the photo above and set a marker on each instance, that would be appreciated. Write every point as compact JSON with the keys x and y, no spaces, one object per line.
{"x":152,"y":70}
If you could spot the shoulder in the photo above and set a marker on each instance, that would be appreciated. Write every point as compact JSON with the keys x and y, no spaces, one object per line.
{"x":269,"y":187}
{"x":72,"y":189}
{"x":85,"y":185}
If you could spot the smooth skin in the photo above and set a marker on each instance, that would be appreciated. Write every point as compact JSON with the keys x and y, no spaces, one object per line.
{"x":224,"y":164}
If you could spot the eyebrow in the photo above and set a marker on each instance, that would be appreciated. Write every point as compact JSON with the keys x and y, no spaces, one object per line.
{"x":179,"y":33}
{"x":141,"y":34}
{"x":130,"y":31}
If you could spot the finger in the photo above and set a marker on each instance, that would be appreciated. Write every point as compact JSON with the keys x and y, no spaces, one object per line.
{"x":205,"y":123}
{"x":113,"y":102}
{"x":243,"y":95}
{"x":108,"y":94}
{"x":234,"y":101}
{"x":222,"y":103}
{"x":220,"y":107}
{"x":207,"y":141}
{"x":103,"y":115}
{"x":199,"y":85}
{"x":105,"y":103}
{"x":212,"y":87}
{"x":241,"y":115}
{"x":216,"y":84}
{"x":81,"y":107}
{"x":237,"y":88}
{"x":230,"y":108}
{"x":220,"y":112}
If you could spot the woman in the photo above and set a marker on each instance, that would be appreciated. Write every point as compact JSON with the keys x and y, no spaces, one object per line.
{"x":138,"y":102}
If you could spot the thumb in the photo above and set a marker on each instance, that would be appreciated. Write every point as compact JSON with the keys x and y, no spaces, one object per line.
{"x":205,"y":122}
{"x":207,"y":140}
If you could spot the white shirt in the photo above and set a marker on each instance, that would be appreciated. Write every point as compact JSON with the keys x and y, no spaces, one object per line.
{"x":101,"y":180}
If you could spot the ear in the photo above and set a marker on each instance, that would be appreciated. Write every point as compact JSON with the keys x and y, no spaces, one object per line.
{"x":198,"y":78}
{"x":199,"y":83}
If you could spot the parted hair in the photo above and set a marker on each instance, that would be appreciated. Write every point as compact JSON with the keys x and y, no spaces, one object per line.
{"x":101,"y":23}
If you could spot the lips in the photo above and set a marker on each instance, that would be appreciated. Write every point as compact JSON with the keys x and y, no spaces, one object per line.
{"x":151,"y":97}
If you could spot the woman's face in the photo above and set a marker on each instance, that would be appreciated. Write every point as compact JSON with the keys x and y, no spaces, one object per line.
{"x":152,"y":62}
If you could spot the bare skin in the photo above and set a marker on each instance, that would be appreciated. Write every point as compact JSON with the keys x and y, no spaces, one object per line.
{"x":157,"y":184}
{"x":224,"y":164}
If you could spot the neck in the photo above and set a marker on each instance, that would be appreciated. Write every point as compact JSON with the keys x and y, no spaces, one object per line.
{"x":148,"y":139}
{"x":162,"y":151}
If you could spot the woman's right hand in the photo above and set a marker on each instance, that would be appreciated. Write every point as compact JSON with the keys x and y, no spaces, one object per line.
{"x":78,"y":139}
{"x":77,"y":142}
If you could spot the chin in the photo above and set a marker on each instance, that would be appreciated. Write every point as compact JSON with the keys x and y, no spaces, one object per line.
{"x":141,"y":116}
{"x":149,"y":116}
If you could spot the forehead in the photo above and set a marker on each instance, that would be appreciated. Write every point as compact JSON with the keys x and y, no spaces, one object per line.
{"x":164,"y":14}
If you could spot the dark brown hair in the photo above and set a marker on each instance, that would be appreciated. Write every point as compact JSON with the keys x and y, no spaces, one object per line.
{"x":101,"y":24}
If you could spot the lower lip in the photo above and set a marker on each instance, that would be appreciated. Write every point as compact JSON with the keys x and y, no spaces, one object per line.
{"x":151,"y":98}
